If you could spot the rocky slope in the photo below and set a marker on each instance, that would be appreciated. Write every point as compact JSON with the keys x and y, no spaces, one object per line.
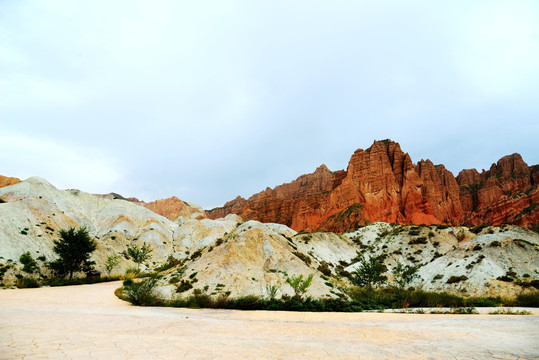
{"x":32,"y":212}
{"x":230,"y":256}
{"x":248,"y":258}
{"x":383,"y":184}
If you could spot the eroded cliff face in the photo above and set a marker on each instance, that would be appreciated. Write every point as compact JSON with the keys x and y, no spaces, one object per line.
{"x":507,"y":193}
{"x":383,"y":184}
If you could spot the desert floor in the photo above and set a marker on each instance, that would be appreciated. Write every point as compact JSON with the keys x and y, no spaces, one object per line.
{"x":89,"y":322}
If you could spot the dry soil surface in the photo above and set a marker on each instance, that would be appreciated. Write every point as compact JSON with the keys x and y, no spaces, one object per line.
{"x":89,"y":322}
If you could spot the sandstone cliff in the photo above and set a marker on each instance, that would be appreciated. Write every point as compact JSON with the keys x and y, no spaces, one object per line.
{"x":383,"y":184}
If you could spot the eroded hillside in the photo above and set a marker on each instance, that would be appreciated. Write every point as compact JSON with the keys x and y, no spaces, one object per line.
{"x":234,"y":257}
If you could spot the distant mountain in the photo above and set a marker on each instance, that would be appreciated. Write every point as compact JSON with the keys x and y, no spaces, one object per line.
{"x":175,"y":209}
{"x":383,"y":184}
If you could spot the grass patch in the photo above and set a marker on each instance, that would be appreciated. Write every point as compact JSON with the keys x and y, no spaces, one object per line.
{"x":81,"y":281}
{"x":510,"y":312}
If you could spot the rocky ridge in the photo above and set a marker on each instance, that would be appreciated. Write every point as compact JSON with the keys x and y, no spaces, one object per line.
{"x":236,"y":257}
{"x":383,"y":184}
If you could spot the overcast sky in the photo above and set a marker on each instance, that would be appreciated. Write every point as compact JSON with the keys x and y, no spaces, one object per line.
{"x":207,"y":100}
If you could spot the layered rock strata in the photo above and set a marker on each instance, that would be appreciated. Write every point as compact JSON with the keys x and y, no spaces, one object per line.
{"x":383,"y":184}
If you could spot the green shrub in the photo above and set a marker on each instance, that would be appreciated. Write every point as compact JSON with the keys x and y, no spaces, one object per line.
{"x":196,"y":254}
{"x":477,"y":247}
{"x":306,"y":258}
{"x":509,"y":312}
{"x":142,"y":292}
{"x":27,"y":283}
{"x":183,"y":286}
{"x":171,"y":262}
{"x":299,"y":284}
{"x":495,"y":243}
{"x":477,"y":229}
{"x":419,"y":240}
{"x":324,"y":268}
{"x":455,"y":279}
{"x":528,"y":300}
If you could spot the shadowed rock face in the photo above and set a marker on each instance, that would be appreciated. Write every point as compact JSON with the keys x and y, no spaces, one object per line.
{"x":383,"y":184}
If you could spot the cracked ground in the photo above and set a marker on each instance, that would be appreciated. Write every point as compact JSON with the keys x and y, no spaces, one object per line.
{"x":89,"y":322}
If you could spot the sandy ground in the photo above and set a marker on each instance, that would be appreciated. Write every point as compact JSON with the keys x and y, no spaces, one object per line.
{"x":89,"y":322}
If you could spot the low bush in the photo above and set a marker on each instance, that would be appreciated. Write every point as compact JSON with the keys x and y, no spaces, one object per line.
{"x":324,"y":268}
{"x":477,"y":229}
{"x":142,"y":292}
{"x":419,"y":240}
{"x":509,"y":312}
{"x":305,"y":258}
{"x":183,"y":286}
{"x":27,"y":283}
{"x":455,"y":279}
{"x":528,"y":300}
{"x":78,"y":281}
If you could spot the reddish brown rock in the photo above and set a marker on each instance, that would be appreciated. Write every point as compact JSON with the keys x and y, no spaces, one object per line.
{"x":382,"y":184}
{"x":7,"y":181}
{"x":172,"y":208}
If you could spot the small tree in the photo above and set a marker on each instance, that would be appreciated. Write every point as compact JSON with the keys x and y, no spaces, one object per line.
{"x":73,"y":250}
{"x":299,"y":285}
{"x":29,"y":264}
{"x":403,"y":275}
{"x":369,"y":273}
{"x":139,"y":255}
{"x":112,"y":262}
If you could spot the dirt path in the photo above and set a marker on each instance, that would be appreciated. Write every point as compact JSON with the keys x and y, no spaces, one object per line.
{"x":89,"y":322}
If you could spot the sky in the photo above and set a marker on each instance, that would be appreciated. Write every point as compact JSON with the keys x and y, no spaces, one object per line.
{"x":207,"y":100}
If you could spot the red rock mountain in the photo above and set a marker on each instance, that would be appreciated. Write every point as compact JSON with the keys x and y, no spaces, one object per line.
{"x":383,"y":184}
{"x":7,"y":181}
{"x":172,"y":208}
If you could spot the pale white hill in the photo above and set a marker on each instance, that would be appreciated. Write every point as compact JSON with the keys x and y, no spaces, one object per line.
{"x":34,"y":210}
